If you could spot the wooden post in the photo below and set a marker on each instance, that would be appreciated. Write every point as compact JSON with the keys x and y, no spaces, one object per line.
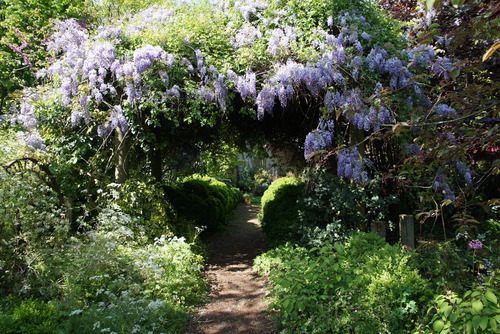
{"x":380,"y":228}
{"x":121,"y":149}
{"x":406,"y":231}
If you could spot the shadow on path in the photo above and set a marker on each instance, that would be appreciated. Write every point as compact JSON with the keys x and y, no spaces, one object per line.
{"x":237,"y":301}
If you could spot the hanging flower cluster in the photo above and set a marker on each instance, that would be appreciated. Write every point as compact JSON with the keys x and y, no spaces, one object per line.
{"x":338,"y":65}
{"x":319,"y":139}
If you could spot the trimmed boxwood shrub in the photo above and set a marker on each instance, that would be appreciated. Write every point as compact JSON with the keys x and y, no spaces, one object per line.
{"x":204,"y":200}
{"x":280,"y":209}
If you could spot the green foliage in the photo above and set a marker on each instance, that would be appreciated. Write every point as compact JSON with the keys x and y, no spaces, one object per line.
{"x":279,"y":210}
{"x":24,"y":26}
{"x":476,"y":311}
{"x":311,"y":14}
{"x":364,"y":286}
{"x":31,"y":219}
{"x":108,"y":278}
{"x":151,"y":214}
{"x":204,"y":200}
{"x":30,"y":317}
{"x":332,"y":207}
{"x":443,"y":265}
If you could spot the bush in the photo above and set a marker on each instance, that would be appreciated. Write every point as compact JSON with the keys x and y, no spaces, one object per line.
{"x":111,"y":283}
{"x":280,"y":209}
{"x":334,"y":208}
{"x":204,"y":200}
{"x":30,"y":317}
{"x":477,"y":311}
{"x":364,"y":286}
{"x":108,"y":279}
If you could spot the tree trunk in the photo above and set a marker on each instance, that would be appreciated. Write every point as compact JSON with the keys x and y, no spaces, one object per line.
{"x":121,"y":150}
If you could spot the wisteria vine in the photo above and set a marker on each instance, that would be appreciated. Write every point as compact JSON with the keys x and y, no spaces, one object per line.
{"x":353,"y":78}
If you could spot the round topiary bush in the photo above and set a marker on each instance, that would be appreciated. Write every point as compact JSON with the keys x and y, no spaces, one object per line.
{"x":280,"y":208}
{"x":204,"y":200}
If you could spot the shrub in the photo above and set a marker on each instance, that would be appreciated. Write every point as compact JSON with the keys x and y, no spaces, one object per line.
{"x":30,"y":316}
{"x":334,"y":208}
{"x":204,"y":200}
{"x":477,"y":311}
{"x":364,"y":286}
{"x":110,"y":281}
{"x":280,"y":209}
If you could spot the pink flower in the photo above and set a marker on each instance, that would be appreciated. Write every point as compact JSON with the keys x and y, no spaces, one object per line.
{"x":476,"y":244}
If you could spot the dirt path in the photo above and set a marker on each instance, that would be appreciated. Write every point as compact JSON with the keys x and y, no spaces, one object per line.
{"x":237,"y":301}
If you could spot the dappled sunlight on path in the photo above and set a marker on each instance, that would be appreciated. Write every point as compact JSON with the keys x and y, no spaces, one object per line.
{"x":237,"y":299}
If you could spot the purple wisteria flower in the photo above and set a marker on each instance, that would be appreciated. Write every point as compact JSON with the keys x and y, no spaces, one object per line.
{"x":265,"y":101}
{"x":376,"y":59}
{"x":246,"y":85}
{"x":247,"y":8}
{"x":413,"y":149}
{"x":221,"y":91}
{"x":145,"y":57}
{"x":441,"y":185}
{"x":400,"y":76}
{"x":329,"y":21}
{"x":117,"y":119}
{"x":442,"y":67}
{"x":421,"y":56}
{"x":319,"y":139}
{"x":465,"y":171}
{"x":246,"y":35}
{"x":206,"y":94}
{"x":350,"y":166}
{"x":371,"y":119}
{"x":378,"y":89}
{"x":444,"y":110}
{"x":173,"y":92}
{"x":280,"y":40}
{"x":26,"y":116}
{"x":32,"y":139}
{"x":366,"y":36}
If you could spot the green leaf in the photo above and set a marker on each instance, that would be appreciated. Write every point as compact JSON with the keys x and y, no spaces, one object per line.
{"x":483,"y":323}
{"x":493,"y":324}
{"x":438,"y":325}
{"x":446,"y":309}
{"x":477,"y":306}
{"x":491,"y":297}
{"x":433,"y":4}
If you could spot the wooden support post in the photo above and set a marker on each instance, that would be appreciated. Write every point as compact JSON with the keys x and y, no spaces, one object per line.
{"x":379,"y":228}
{"x":407,"y":231}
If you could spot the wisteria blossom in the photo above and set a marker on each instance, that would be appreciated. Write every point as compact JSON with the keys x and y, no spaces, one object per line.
{"x":319,"y":139}
{"x":442,"y":67}
{"x":465,"y":171}
{"x":442,"y":185}
{"x":247,"y":8}
{"x":444,"y":110}
{"x":350,"y":165}
{"x":246,"y":36}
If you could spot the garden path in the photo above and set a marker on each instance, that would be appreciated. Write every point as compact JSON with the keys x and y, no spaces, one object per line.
{"x":237,"y":299}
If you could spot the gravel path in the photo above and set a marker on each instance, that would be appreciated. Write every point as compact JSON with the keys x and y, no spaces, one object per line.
{"x":237,"y":301}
